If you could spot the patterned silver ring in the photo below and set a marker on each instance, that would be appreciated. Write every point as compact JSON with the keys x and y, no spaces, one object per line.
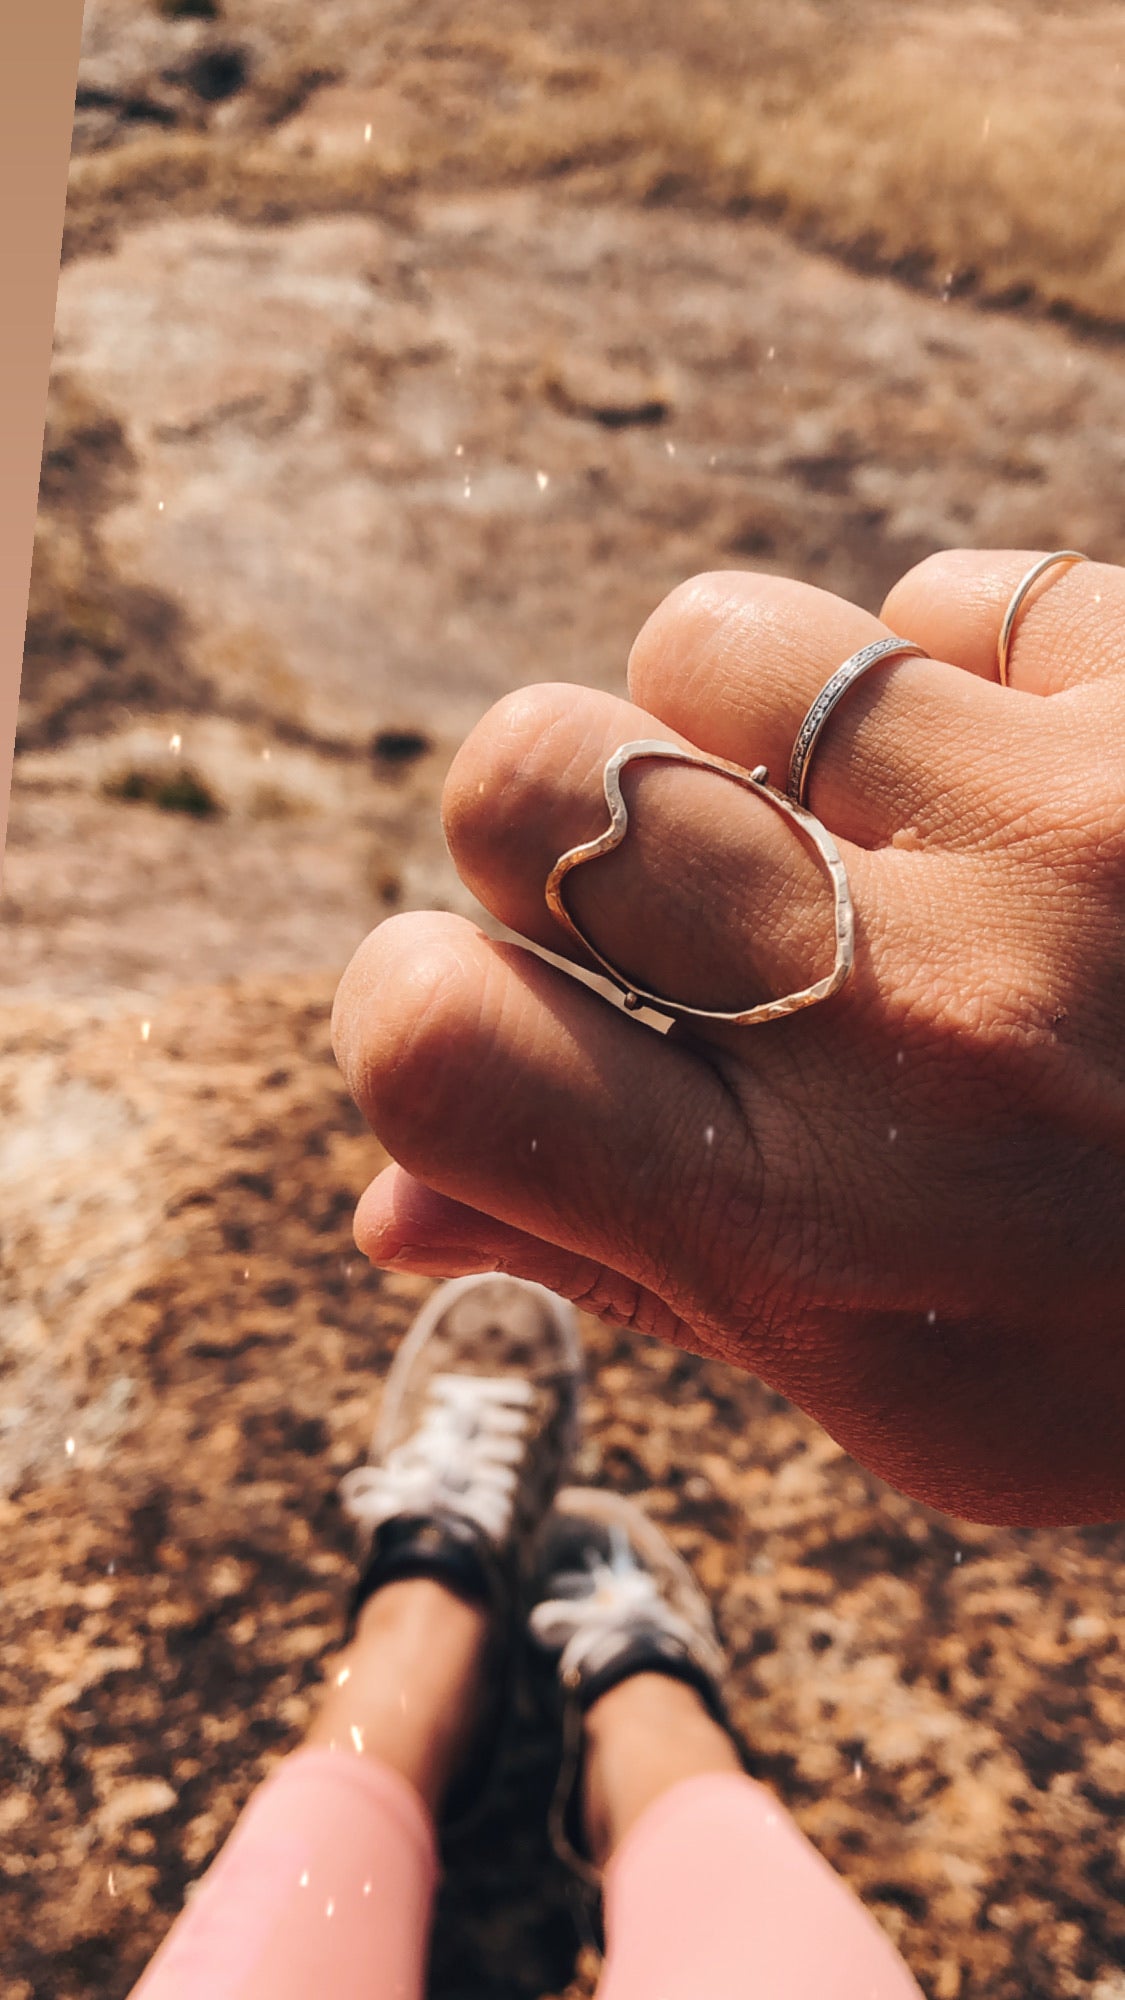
{"x":1016,"y":600}
{"x":833,"y":691}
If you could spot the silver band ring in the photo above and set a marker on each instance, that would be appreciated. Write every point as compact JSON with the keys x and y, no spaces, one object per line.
{"x":752,"y":781}
{"x":833,"y":691}
{"x":1016,"y":601}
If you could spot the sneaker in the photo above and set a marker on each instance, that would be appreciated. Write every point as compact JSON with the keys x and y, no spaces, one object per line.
{"x":477,"y":1428}
{"x":611,"y":1599}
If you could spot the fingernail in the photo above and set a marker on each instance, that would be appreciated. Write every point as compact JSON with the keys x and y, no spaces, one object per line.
{"x":403,"y":1258}
{"x":429,"y":1263}
{"x":434,"y":1263}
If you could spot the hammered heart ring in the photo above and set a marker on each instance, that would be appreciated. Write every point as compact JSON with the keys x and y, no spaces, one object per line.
{"x":803,"y":823}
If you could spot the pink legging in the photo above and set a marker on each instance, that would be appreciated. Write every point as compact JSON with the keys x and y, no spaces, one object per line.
{"x":324,"y":1892}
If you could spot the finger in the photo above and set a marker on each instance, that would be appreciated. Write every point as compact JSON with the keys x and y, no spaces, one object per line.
{"x":403,"y":1223}
{"x":1068,"y":630}
{"x":734,"y":660}
{"x":711,"y":899}
{"x":509,"y":1087}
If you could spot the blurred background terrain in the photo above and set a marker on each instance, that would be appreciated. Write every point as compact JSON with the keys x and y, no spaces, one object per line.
{"x":405,"y":354}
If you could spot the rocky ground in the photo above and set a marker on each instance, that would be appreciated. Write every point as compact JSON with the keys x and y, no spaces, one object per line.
{"x":348,"y":435}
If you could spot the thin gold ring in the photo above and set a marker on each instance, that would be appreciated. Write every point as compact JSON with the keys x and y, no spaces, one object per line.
{"x":1015,"y":602}
{"x":754,"y":781}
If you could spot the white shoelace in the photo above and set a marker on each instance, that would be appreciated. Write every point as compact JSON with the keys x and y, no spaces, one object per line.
{"x":465,"y":1456}
{"x":613,"y":1597}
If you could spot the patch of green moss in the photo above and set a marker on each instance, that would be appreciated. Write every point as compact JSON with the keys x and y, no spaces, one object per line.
{"x":188,"y":10}
{"x":180,"y":790}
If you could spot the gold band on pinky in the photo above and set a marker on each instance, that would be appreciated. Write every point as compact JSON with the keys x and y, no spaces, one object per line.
{"x":1017,"y":599}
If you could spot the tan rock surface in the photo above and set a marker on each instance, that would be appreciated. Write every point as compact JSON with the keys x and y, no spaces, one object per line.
{"x":359,"y":474}
{"x":360,"y":442}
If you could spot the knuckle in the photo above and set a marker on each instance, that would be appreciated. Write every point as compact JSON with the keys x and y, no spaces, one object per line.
{"x":498,"y":749}
{"x":928,"y":581}
{"x":625,"y":1303}
{"x":399,"y":1009}
{"x":683,"y":626}
{"x":506,"y":772}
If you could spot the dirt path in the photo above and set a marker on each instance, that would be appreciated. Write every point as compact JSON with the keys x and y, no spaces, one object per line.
{"x":197,"y":1349}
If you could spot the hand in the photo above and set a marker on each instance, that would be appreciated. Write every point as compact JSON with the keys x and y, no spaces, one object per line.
{"x":904,"y":1208}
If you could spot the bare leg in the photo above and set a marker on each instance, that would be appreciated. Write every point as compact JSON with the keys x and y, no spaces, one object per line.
{"x":643,"y":1737}
{"x":408,"y":1689}
{"x":326,"y":1884}
{"x":710,"y":1887}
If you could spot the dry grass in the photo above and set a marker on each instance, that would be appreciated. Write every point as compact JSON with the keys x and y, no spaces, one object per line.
{"x":956,"y":149}
{"x":1002,"y":164}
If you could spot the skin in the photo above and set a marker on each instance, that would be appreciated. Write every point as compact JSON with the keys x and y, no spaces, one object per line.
{"x":410,"y":1689}
{"x":904,"y":1208}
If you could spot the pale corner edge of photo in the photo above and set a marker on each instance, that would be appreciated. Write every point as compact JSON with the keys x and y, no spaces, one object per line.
{"x":39,"y":48}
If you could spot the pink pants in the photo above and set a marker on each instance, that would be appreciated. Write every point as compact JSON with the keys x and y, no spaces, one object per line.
{"x":325,"y":1888}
